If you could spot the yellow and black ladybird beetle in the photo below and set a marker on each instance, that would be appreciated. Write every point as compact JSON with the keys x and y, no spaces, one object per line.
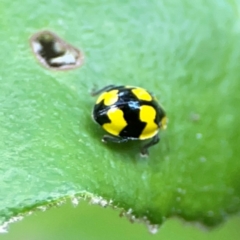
{"x":129,"y":113}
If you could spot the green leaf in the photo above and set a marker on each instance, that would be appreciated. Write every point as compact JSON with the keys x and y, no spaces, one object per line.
{"x":186,"y":52}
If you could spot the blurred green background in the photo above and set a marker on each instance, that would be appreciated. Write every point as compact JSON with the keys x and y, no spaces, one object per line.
{"x":93,"y":222}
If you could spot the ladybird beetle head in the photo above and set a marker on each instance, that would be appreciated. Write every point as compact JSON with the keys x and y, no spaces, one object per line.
{"x":163,"y":122}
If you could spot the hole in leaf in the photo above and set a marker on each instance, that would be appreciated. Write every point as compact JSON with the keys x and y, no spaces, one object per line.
{"x":53,"y":52}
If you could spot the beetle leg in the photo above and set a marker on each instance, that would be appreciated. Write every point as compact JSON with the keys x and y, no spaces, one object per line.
{"x":108,"y":138}
{"x":106,"y":88}
{"x":144,"y":150}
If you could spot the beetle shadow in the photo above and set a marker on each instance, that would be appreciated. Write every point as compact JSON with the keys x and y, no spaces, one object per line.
{"x":130,"y":148}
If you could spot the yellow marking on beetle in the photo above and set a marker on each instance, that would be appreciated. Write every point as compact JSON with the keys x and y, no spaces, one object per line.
{"x":147,"y":115}
{"x":109,"y":98}
{"x":142,"y":94}
{"x":117,"y":121}
{"x":164,"y":122}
